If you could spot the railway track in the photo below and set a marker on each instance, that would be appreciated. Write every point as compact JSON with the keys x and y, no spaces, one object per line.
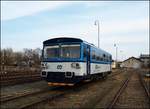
{"x":50,"y":97}
{"x":115,"y":74}
{"x":16,"y":77}
{"x":19,"y":80}
{"x":39,"y":96}
{"x":75,"y":89}
{"x":119,"y":92}
{"x":144,"y":85}
{"x":124,"y":94}
{"x":65,"y":91}
{"x":31,"y":99}
{"x":26,"y":98}
{"x":25,"y":93}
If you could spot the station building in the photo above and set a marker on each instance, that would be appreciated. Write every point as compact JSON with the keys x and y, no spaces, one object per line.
{"x":132,"y":62}
{"x":146,"y":59}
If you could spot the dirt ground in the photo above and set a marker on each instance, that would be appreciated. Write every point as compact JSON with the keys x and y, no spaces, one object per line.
{"x":95,"y":94}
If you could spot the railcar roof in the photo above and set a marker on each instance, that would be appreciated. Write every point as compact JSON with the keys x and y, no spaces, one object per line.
{"x":65,"y":39}
{"x":62,"y":39}
{"x":68,"y":39}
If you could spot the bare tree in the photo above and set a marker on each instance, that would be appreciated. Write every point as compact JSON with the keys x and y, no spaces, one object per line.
{"x":29,"y":57}
{"x":7,"y":55}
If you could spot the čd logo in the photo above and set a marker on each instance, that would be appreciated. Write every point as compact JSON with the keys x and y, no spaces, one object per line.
{"x":59,"y":66}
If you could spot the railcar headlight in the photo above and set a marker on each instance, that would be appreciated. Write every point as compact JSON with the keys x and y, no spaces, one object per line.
{"x":44,"y":65}
{"x":75,"y":65}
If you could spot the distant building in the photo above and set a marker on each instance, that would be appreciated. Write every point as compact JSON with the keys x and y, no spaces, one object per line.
{"x":132,"y":62}
{"x":115,"y":64}
{"x":146,"y":59}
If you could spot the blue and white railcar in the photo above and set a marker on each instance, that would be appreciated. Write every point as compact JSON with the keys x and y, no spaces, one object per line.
{"x":66,"y":61}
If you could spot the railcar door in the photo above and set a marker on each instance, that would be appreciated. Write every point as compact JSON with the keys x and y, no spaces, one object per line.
{"x":88,"y":60}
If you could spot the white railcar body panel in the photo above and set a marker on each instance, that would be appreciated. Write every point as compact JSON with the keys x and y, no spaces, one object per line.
{"x":66,"y":67}
{"x":99,"y":68}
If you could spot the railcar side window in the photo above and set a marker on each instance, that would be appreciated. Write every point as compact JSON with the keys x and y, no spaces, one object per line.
{"x":93,"y":54}
{"x":110,"y":58}
{"x":104,"y":55}
{"x":107,"y":58}
{"x":98,"y":57}
{"x":101,"y":58}
{"x":84,"y":53}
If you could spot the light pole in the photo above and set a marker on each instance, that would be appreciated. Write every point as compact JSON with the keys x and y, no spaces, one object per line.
{"x":116,"y":51}
{"x":97,"y":23}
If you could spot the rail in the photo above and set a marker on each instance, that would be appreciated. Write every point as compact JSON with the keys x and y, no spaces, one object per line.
{"x":119,"y":92}
{"x":12,"y":78}
{"x":19,"y":95}
{"x":144,"y":85}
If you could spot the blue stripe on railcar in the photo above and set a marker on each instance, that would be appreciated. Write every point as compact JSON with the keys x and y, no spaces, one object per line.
{"x":71,"y":60}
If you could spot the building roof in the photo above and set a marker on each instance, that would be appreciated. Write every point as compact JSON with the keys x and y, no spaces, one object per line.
{"x":132,"y":58}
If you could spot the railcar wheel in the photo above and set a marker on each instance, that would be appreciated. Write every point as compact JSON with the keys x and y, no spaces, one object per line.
{"x":104,"y":75}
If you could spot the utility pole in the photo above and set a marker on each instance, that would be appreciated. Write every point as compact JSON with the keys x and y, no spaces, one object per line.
{"x":97,"y":23}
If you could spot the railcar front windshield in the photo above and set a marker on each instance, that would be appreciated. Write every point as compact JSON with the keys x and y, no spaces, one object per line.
{"x":62,"y":51}
{"x":70,"y":51}
{"x":51,"y":52}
